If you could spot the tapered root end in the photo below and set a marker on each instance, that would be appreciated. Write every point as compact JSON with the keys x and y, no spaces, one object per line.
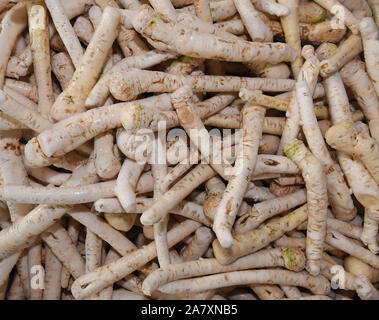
{"x":65,"y":107}
{"x":146,"y":288}
{"x":340,"y":134}
{"x":223,"y":255}
{"x":121,"y":222}
{"x":343,"y":213}
{"x":142,"y":18}
{"x":279,"y":10}
{"x":34,"y":157}
{"x":321,"y":285}
{"x":275,"y":71}
{"x":77,"y":288}
{"x":225,"y":238}
{"x":362,"y":286}
{"x":308,"y":52}
{"x":147,"y":220}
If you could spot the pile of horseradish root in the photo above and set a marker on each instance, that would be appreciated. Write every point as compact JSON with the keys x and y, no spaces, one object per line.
{"x":189,"y":149}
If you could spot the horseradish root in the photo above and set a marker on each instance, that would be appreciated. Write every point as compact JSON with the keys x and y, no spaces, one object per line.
{"x":189,"y":150}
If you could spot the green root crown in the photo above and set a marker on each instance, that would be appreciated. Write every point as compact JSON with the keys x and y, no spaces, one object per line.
{"x":293,"y":149}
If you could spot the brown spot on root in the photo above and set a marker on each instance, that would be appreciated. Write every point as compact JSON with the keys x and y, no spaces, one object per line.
{"x":229,"y":206}
{"x":271,"y":162}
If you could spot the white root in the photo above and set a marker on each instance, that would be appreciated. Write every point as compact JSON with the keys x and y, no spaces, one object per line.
{"x":292,"y":259}
{"x":104,"y":276}
{"x":126,"y":184}
{"x":338,"y":192}
{"x":65,"y":30}
{"x":128,"y":85}
{"x":83,"y":29}
{"x":159,"y":170}
{"x":369,"y":234}
{"x":62,"y":68}
{"x":19,"y":66}
{"x":63,"y":138}
{"x":63,"y":248}
{"x":369,"y":33}
{"x":39,"y":44}
{"x":267,"y":209}
{"x":252,"y":122}
{"x":74,"y":8}
{"x":103,"y":230}
{"x":182,"y":100}
{"x":318,"y":284}
{"x":317,"y":202}
{"x":59,"y":196}
{"x":203,"y":10}
{"x":358,"y":267}
{"x":308,"y":73}
{"x":53,"y":269}
{"x":290,"y":25}
{"x":31,"y":118}
{"x":374,"y":6}
{"x":72,"y":99}
{"x":175,"y":36}
{"x":6,"y":266}
{"x":198,"y":245}
{"x":177,"y":193}
{"x":366,"y":289}
{"x":23,"y":232}
{"x":188,"y":209}
{"x":341,"y":12}
{"x":256,"y":28}
{"x":100,"y":91}
{"x":345,"y":244}
{"x":16,"y":291}
{"x":278,"y":103}
{"x":93,"y":248}
{"x":35,"y":259}
{"x":254,"y":240}
{"x":345,"y":138}
{"x":13,"y":23}
{"x":106,"y":163}
{"x":101,"y":187}
{"x":360,"y":181}
{"x":21,"y":88}
{"x":354,"y":76}
{"x":348,"y":50}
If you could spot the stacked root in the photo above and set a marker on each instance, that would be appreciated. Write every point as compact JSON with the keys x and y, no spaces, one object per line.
{"x":189,"y":149}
